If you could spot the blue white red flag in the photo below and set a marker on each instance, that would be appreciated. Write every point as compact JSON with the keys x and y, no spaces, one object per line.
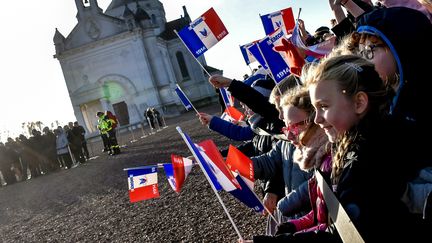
{"x":183,"y":98}
{"x":203,"y":33}
{"x":226,"y":96}
{"x":280,"y":19}
{"x":231,"y":114}
{"x":216,"y":162}
{"x":240,"y":163}
{"x":169,"y":172}
{"x":318,"y":50}
{"x":248,"y":57}
{"x":205,"y":167}
{"x":247,"y":196}
{"x":178,"y":171}
{"x":143,"y":183}
{"x":254,"y":50}
{"x":275,"y":61}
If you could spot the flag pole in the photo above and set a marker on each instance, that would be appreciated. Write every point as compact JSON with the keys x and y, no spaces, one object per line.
{"x":158,"y":165}
{"x":211,"y":184}
{"x":268,"y":211}
{"x":250,"y":69}
{"x":269,"y":70}
{"x":175,"y":31}
{"x":256,"y":196}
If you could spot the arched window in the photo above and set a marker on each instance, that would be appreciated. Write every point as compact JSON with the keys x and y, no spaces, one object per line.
{"x":182,"y":65}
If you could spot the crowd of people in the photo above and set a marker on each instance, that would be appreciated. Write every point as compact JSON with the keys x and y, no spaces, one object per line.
{"x":355,"y":116}
{"x":24,"y":157}
{"x":65,"y":147}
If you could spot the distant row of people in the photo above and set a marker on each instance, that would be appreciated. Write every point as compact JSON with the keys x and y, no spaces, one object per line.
{"x":152,"y":115}
{"x":25,"y":158}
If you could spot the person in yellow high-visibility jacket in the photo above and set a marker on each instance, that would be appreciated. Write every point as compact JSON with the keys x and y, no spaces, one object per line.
{"x":106,"y":126}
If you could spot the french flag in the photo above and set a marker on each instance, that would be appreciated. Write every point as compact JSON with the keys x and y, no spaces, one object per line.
{"x":254,"y":50}
{"x":318,"y":50}
{"x":274,"y":59}
{"x":218,"y":167}
{"x":240,"y":163}
{"x":203,"y":33}
{"x":177,"y":171}
{"x":226,"y":96}
{"x":280,"y":19}
{"x":231,"y":114}
{"x":197,"y":153}
{"x":183,"y":98}
{"x":230,"y":181}
{"x":248,"y":57}
{"x":246,"y":195}
{"x":143,"y":184}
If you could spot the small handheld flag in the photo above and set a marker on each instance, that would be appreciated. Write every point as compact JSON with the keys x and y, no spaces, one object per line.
{"x":247,"y":196}
{"x":196,"y":152}
{"x":203,"y":33}
{"x":254,"y":50}
{"x":248,"y":57}
{"x":208,"y":174}
{"x":179,"y":168}
{"x":283,"y":19}
{"x":143,"y":183}
{"x":169,"y":172}
{"x":318,"y":50}
{"x":184,"y":99}
{"x":215,"y":160}
{"x":231,"y":114}
{"x":239,"y":162}
{"x":276,"y":63}
{"x":226,"y":96}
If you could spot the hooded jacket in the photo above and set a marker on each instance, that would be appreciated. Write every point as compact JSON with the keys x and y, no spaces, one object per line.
{"x":407,"y":33}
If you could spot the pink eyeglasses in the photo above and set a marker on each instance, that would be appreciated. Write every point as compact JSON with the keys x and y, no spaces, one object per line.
{"x":293,"y":128}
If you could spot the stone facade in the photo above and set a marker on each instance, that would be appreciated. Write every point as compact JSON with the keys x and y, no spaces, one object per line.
{"x":126,"y":59}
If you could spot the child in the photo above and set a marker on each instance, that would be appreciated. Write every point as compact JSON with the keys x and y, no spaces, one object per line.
{"x":369,"y":171}
{"x":312,"y":151}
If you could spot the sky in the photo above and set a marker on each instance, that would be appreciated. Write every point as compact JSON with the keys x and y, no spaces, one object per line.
{"x":32,"y":82}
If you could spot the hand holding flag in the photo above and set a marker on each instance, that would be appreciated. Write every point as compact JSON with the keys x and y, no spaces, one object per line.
{"x":219,"y":81}
{"x":292,"y":56}
{"x":232,"y":115}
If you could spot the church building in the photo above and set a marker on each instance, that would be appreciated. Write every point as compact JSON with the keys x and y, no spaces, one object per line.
{"x":128,"y":58}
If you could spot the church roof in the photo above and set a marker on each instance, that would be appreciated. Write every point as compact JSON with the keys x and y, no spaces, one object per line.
{"x":118,"y":3}
{"x":177,"y":24}
{"x":211,"y":69}
{"x":127,"y":12}
{"x":58,"y":37}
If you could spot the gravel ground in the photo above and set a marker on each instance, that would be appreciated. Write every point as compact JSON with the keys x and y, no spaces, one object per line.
{"x":90,"y":203}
